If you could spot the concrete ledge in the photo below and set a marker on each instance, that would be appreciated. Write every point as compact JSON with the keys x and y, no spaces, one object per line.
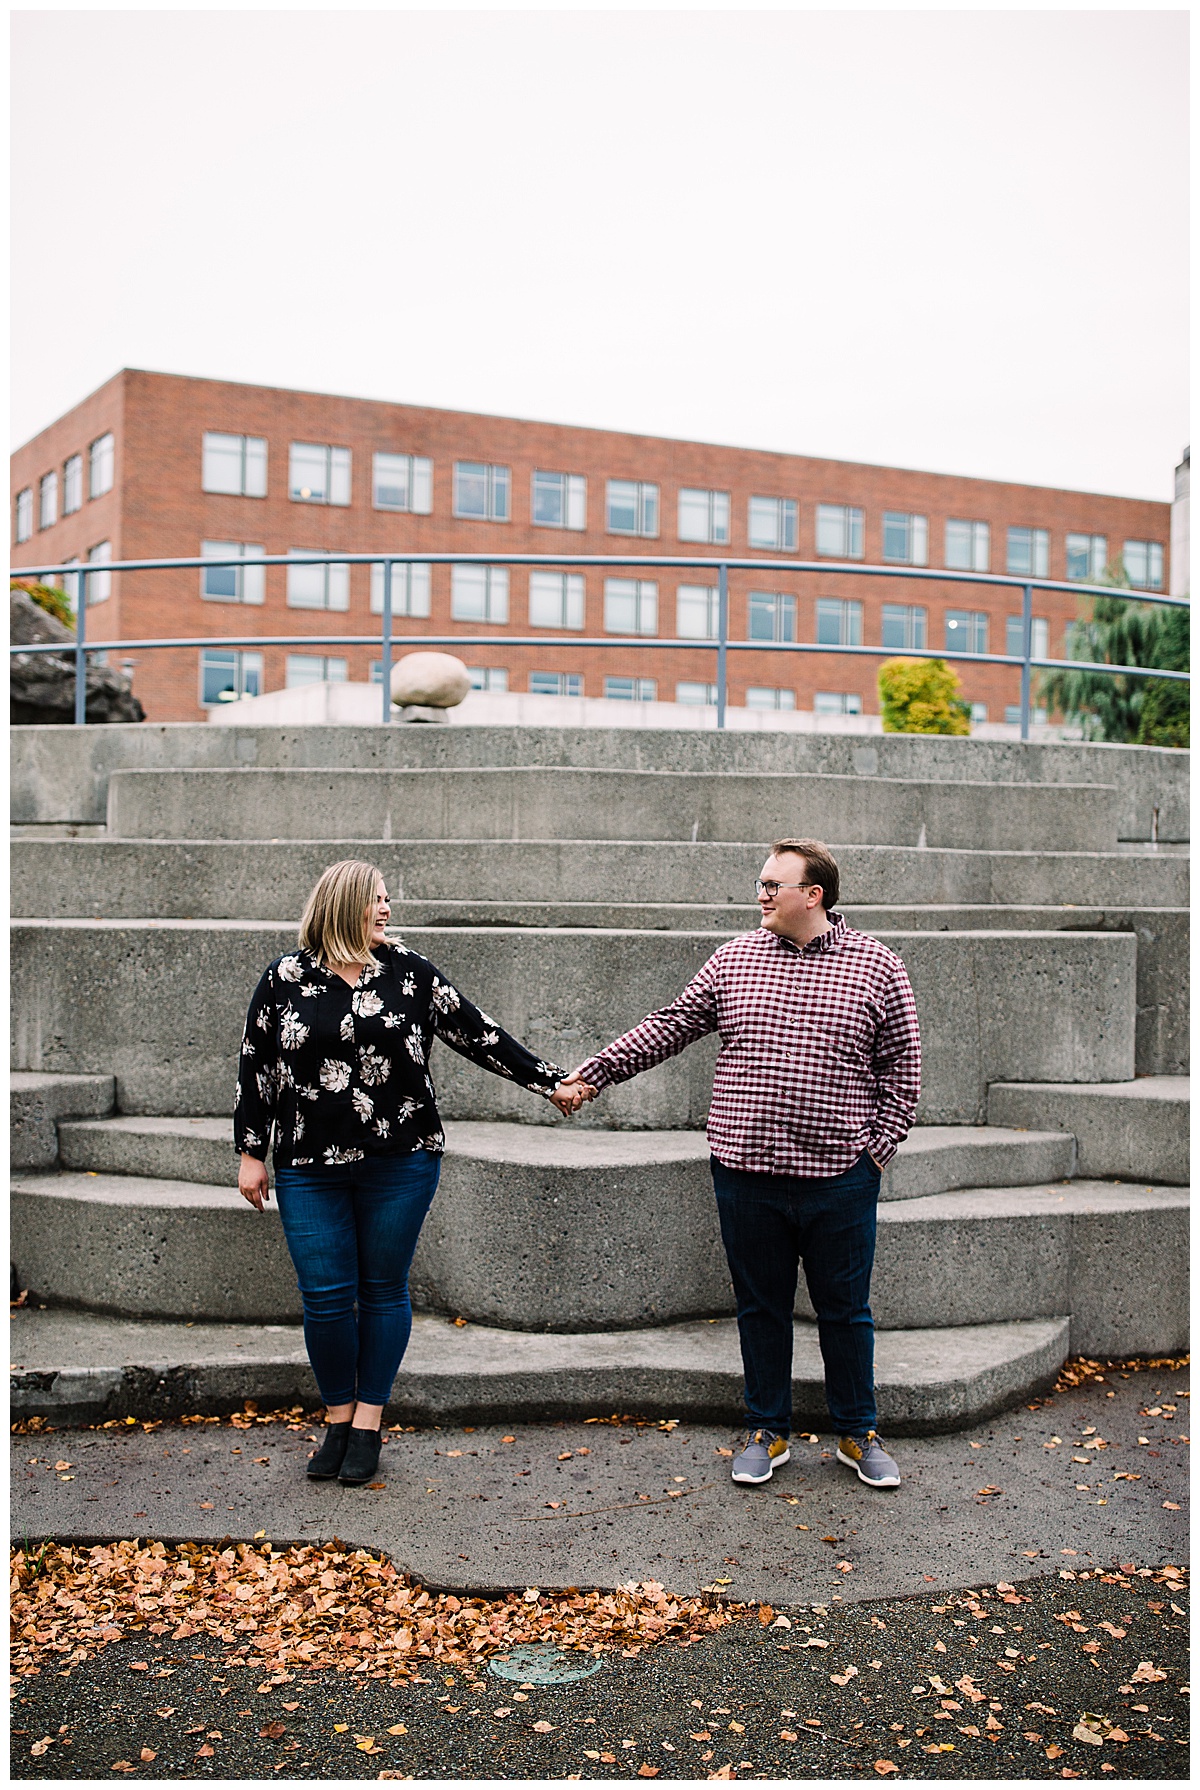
{"x":486,"y":802}
{"x":37,"y":1101}
{"x":995,"y":1007}
{"x":1137,"y":1131}
{"x":78,"y":1369}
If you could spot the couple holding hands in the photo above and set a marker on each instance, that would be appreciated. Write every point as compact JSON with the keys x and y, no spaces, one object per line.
{"x":816,"y":1085}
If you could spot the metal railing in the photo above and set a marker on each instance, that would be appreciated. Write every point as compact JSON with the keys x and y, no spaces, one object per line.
{"x":722,"y":645}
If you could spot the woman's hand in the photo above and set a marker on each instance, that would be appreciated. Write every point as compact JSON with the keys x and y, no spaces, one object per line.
{"x":252,"y":1181}
{"x":571,"y":1093}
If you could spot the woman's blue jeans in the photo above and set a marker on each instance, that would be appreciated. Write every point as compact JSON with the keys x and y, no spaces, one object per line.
{"x":769,"y":1224}
{"x":351,"y":1232}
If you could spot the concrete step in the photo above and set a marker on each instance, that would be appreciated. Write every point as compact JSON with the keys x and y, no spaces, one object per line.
{"x":1135,"y":1130}
{"x":36,"y":1102}
{"x":73,"y":1368}
{"x":932,"y":1159}
{"x":561,"y":803}
{"x":270,"y":879}
{"x":63,"y":777}
{"x":996,"y":1006}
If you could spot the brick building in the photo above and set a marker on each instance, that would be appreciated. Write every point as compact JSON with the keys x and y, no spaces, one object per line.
{"x":156,"y":466}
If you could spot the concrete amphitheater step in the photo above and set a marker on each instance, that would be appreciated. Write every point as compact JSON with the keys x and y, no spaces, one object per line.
{"x":270,"y":879}
{"x":73,"y":1368}
{"x":564,"y":803}
{"x":36,"y":1103}
{"x":1133,"y":1130}
{"x":1059,"y":1006}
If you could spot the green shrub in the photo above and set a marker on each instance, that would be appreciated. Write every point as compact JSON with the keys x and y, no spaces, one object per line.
{"x":921,"y":696}
{"x":47,"y":598}
{"x":1118,"y":630}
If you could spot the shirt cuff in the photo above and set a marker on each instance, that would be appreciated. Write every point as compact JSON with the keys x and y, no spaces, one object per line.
{"x":595,"y":1074}
{"x":881,"y":1150}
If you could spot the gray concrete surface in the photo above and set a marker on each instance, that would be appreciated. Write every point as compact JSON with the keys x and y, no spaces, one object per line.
{"x":63,"y":777}
{"x":994,"y":1006}
{"x":483,"y":803}
{"x":59,"y":877}
{"x":37,"y":1102}
{"x":78,"y":1367}
{"x":1136,"y":1130}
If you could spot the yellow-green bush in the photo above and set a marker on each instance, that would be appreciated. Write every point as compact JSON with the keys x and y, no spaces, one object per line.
{"x":921,"y":696}
{"x":47,"y":598}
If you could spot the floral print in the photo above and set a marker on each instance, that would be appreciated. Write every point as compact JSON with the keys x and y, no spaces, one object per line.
{"x":343,"y":1072}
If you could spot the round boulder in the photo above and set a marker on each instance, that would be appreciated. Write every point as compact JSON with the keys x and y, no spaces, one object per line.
{"x":429,"y":680}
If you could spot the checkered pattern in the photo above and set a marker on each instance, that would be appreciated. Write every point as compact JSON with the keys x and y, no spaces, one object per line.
{"x":820,"y":1053}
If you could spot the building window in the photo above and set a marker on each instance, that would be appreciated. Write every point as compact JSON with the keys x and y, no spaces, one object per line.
{"x":1087,"y":556}
{"x":631,"y":689}
{"x":100,"y":466}
{"x":839,"y":531}
{"x":966,"y":631}
{"x":704,"y":516}
{"x":772,"y":523}
{"x":772,"y":616}
{"x":1012,"y":714}
{"x":488,"y":677}
{"x":1029,"y":552}
{"x":630,"y":606}
{"x":24,"y":517}
{"x":1014,"y":644}
{"x":905,"y":539}
{"x":758,"y":696}
{"x":410,"y":589}
{"x":318,"y":474}
{"x":979,"y":713}
{"x":73,"y":485}
{"x":312,"y":668}
{"x":227,"y":676}
{"x":48,"y":500}
{"x":696,"y":695}
{"x":555,"y":683}
{"x":317,"y":586}
{"x":1144,"y":564}
{"x":481,"y":492}
{"x":232,"y":584}
{"x":839,"y":621}
{"x":235,"y":465}
{"x":402,"y":482}
{"x":556,"y":599}
{"x":632,"y":508}
{"x":697,"y":612}
{"x":968,"y":546}
{"x":479,"y":593}
{"x":99,"y":585}
{"x":903,"y":627}
{"x":837,"y":702}
{"x":559,"y":500}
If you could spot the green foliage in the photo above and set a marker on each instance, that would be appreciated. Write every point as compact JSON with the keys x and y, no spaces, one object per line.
{"x":47,"y":598}
{"x":1124,"y":710}
{"x":921,"y":696}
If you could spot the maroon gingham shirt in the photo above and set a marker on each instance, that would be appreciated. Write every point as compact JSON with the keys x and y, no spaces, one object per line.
{"x":820,"y":1053}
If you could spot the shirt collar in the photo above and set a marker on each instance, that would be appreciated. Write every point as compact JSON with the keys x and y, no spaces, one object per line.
{"x":824,"y":941}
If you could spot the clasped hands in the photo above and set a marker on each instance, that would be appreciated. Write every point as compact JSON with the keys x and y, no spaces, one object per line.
{"x":571,"y":1093}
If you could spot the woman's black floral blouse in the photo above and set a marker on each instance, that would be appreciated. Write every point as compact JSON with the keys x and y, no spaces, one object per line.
{"x":343,"y":1073}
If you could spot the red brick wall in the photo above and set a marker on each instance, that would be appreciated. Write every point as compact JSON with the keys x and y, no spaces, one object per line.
{"x":158,"y":510}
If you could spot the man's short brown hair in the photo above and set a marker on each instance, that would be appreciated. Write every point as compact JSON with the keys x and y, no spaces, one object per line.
{"x":820,"y":866}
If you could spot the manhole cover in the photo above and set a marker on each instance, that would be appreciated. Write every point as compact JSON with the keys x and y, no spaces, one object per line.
{"x":543,"y":1663}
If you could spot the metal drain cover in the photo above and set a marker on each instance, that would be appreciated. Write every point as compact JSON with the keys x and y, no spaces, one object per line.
{"x":541,"y":1662}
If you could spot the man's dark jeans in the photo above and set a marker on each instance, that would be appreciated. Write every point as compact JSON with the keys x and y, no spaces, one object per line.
{"x":769,"y":1224}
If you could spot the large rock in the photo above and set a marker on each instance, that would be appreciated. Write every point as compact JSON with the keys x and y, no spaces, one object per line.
{"x":429,"y":680}
{"x":42,"y":686}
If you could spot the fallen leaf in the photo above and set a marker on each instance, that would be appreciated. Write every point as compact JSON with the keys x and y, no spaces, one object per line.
{"x":787,"y":1734}
{"x":766,"y":1615}
{"x":543,"y":1727}
{"x":398,"y":1728}
{"x":122,"y":1765}
{"x":205,"y":1752}
{"x":885,"y":1767}
{"x":146,"y":1755}
{"x":738,"y":1727}
{"x":139,"y":1665}
{"x":702,"y":1735}
{"x":290,"y":1706}
{"x":1147,"y":1673}
{"x":165,"y":1712}
{"x":1054,"y":1752}
{"x":41,"y":1746}
{"x":272,"y":1731}
{"x":1167,"y":1505}
{"x":647,"y":1771}
{"x":1088,"y":1732}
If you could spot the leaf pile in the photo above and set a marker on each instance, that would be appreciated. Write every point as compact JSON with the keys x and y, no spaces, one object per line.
{"x":316,"y":1607}
{"x":1080,"y":1368}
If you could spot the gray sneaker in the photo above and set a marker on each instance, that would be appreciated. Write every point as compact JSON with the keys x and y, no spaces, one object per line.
{"x":869,"y":1458}
{"x":759,"y":1458}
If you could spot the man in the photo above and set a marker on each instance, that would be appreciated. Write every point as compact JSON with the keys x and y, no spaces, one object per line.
{"x":816,"y":1085}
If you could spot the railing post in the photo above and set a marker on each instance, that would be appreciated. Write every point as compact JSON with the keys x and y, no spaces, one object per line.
{"x":1026,"y":655}
{"x":722,"y":640}
{"x":80,"y":654}
{"x":387,"y":641}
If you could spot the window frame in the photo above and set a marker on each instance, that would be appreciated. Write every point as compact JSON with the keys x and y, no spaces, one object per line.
{"x":572,"y":598}
{"x":708,"y":701}
{"x":914,"y":621}
{"x":645,"y":499}
{"x":563,"y":677}
{"x":23,"y":516}
{"x":248,"y":551}
{"x":418,"y":470}
{"x":72,"y":484}
{"x":980,"y":531}
{"x":47,"y":483}
{"x":972,"y":618}
{"x":412,"y":588}
{"x":333,"y":470}
{"x":495,"y":594}
{"x":712,"y":595}
{"x":492,"y":485}
{"x":850,"y":702}
{"x":1014,"y":630}
{"x":243,"y":662}
{"x":786,"y":530}
{"x":853,"y":530}
{"x":783,"y":610}
{"x":915,"y":530}
{"x":645,"y":592}
{"x":330,"y":606}
{"x":252,"y":463}
{"x":572,"y":487}
{"x":777,"y":707}
{"x":322,"y":659}
{"x":849,"y":620}
{"x":1039,"y":551}
{"x":102,"y":463}
{"x":1154,"y":556}
{"x":644,"y":689}
{"x":711,"y":504}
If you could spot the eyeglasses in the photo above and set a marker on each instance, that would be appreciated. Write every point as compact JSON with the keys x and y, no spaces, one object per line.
{"x":771,"y":890}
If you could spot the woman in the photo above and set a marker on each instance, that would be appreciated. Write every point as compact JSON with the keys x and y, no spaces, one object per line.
{"x":335,"y":1061}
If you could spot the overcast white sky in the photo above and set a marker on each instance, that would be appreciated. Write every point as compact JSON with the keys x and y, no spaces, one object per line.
{"x":950,"y":240}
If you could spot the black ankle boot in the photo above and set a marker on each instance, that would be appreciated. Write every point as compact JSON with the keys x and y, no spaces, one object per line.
{"x":329,"y":1456}
{"x":362,"y":1457}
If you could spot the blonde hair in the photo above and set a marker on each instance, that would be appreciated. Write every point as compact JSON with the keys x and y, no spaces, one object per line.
{"x":339,"y":914}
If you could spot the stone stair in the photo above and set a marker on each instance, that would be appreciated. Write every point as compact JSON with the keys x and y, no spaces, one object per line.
{"x":570,"y":882}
